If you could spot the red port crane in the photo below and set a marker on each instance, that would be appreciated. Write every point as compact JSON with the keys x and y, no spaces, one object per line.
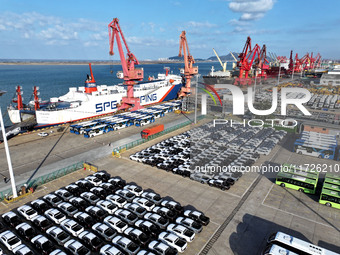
{"x":314,"y":61}
{"x":318,"y":61}
{"x":245,"y":63}
{"x":189,"y":69}
{"x":262,"y":62}
{"x":18,"y":100}
{"x":130,"y":74}
{"x":298,"y":64}
{"x":291,"y":63}
{"x":36,"y":98}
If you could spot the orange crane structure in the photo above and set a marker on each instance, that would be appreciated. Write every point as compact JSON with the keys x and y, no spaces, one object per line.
{"x":130,"y":74}
{"x":189,"y":69}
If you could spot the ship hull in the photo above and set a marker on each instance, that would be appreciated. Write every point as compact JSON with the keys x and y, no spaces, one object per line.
{"x":102,"y":105}
{"x":17,"y":116}
{"x":212,"y":80}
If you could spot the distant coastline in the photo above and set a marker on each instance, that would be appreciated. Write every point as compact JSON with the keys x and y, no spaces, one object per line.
{"x":81,"y":62}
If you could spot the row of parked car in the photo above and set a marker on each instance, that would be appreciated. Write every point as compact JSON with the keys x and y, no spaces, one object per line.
{"x":214,"y":155}
{"x":100,"y":214}
{"x":326,"y":116}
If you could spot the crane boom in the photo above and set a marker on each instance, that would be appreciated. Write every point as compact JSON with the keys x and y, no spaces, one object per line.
{"x":233,"y":56}
{"x":224,"y":66}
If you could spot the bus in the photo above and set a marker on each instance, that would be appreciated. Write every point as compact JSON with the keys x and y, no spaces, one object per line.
{"x":119,"y":123}
{"x":79,"y":128}
{"x":157,"y":113}
{"x":142,"y":121}
{"x":314,"y":149}
{"x":321,"y":140}
{"x":299,"y":170}
{"x":97,"y":130}
{"x":273,"y":249}
{"x":297,"y":182}
{"x":330,"y":193}
{"x":310,"y":133}
{"x":297,"y":245}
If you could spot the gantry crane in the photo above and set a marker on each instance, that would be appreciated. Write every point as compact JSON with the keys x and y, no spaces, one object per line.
{"x":189,"y":69}
{"x":130,"y":74}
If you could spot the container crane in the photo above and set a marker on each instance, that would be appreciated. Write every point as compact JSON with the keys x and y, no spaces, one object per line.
{"x":189,"y":60}
{"x":130,"y":74}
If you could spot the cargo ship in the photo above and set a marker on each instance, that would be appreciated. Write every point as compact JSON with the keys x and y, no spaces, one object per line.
{"x":92,"y":100}
{"x":219,"y":77}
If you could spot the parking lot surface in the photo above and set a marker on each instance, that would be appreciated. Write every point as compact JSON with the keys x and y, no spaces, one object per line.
{"x":242,"y":217}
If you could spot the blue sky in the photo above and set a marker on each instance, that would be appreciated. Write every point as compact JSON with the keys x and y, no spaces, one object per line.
{"x":77,"y":29}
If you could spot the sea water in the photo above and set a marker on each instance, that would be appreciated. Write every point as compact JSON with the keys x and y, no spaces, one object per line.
{"x":55,"y":80}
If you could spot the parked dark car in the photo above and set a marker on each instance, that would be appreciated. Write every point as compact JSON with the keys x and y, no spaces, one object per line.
{"x":117,"y":182}
{"x":74,"y":189}
{"x":42,"y":244}
{"x":42,"y":223}
{"x":40,"y":206}
{"x":79,"y":203}
{"x":26,"y":231}
{"x":103,"y":175}
{"x":223,"y":185}
{"x":11,"y":219}
{"x":91,"y":241}
{"x":84,"y":219}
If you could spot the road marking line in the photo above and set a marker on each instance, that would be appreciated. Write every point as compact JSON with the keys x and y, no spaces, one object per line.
{"x":267,"y":194}
{"x":298,"y":216}
{"x":215,"y":223}
{"x":293,"y":214}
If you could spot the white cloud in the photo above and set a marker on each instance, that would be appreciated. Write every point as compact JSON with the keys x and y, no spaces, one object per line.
{"x":251,"y":31}
{"x":251,"y":16}
{"x":91,"y":44}
{"x":101,"y":36}
{"x":196,"y":24}
{"x":50,"y":30}
{"x":251,"y":9}
{"x":151,"y":41}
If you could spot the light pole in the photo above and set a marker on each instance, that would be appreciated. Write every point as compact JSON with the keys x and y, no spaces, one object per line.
{"x":278,"y":78}
{"x":293,"y":71}
{"x":254,"y":87}
{"x":9,"y":162}
{"x":196,"y":92}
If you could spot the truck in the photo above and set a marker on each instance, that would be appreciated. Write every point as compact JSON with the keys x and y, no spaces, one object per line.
{"x":152,"y":130}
